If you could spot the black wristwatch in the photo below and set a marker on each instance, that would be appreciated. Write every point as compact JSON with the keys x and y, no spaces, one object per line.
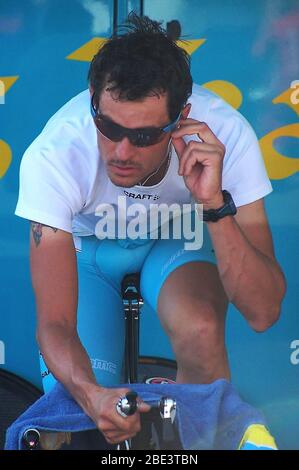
{"x":229,"y":208}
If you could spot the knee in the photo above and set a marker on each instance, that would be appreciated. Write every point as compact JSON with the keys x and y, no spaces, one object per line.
{"x":202,"y":326}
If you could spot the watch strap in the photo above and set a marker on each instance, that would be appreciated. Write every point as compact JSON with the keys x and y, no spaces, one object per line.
{"x":228,"y":208}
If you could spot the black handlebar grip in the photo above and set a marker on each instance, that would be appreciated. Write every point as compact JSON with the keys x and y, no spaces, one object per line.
{"x":127,"y":405}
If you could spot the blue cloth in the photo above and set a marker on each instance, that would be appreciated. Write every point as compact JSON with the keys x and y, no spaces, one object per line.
{"x":211,"y":416}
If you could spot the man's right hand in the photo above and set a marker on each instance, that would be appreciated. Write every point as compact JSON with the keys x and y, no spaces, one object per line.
{"x":115,"y":427}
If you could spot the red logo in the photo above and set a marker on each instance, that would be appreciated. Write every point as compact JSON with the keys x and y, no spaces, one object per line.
{"x":159,"y":380}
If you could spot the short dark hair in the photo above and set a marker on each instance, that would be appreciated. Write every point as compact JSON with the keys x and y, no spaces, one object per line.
{"x":141,"y":60}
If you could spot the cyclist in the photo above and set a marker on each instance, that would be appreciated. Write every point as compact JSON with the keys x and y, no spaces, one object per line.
{"x":143,"y":133}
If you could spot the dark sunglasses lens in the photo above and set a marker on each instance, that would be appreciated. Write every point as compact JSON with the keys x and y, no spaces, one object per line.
{"x":138,"y":138}
{"x":146,"y":138}
{"x":109,"y":129}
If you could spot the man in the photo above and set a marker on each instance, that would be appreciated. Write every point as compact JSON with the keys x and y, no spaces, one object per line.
{"x":142,"y":133}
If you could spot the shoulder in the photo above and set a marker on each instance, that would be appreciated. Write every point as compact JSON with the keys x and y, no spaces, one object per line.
{"x":73,"y":120}
{"x":224,"y":120}
{"x":68,"y":139}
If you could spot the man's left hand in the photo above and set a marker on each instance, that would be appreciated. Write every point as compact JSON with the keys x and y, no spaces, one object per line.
{"x":200,"y":162}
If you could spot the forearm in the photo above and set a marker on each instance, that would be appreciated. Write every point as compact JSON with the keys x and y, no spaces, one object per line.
{"x":70,"y":364}
{"x":253,"y":282}
{"x":68,"y":361}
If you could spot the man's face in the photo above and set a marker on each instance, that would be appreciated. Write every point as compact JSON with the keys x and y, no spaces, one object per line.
{"x":127,"y":164}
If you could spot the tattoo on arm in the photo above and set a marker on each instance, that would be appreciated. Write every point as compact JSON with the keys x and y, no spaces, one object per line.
{"x":37,"y":231}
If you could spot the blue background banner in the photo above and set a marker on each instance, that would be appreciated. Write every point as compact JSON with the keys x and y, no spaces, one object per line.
{"x":247,"y":52}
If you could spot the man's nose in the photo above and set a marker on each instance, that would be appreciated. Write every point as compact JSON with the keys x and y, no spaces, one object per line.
{"x":125,"y":150}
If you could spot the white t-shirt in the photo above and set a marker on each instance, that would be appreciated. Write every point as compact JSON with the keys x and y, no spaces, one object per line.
{"x":63,"y":179}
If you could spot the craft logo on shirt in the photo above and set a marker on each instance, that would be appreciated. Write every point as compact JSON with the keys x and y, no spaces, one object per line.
{"x":152,"y":197}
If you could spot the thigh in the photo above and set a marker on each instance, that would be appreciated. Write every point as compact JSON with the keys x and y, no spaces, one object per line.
{"x":193,"y":299}
{"x":102,"y":265}
{"x":165,"y":258}
{"x":100,"y":315}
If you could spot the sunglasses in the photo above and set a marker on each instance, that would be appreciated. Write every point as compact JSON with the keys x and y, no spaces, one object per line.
{"x":142,"y":137}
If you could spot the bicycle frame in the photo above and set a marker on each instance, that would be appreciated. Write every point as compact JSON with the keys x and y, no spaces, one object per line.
{"x":166,"y":409}
{"x":132,"y":302}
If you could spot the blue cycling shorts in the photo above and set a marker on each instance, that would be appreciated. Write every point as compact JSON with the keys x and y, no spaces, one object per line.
{"x":102,"y":264}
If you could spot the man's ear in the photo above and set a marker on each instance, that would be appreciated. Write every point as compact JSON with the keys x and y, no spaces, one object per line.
{"x":185,"y":112}
{"x":91,"y":90}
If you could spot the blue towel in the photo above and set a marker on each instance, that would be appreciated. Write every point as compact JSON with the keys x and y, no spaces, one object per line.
{"x":211,"y":416}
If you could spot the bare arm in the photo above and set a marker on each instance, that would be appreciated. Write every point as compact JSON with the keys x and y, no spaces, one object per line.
{"x":54,"y":277}
{"x":251,"y":276}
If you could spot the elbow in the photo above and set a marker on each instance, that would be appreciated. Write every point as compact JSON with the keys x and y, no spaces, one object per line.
{"x":268,"y":317}
{"x":263,"y":322}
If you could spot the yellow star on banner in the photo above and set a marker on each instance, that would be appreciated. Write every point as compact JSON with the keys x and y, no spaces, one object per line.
{"x":191,"y":45}
{"x":5,"y":159}
{"x":8,"y":83}
{"x":86,"y":52}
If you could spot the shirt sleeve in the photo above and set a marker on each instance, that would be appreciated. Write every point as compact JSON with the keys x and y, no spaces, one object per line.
{"x":244,"y":173}
{"x":50,"y":191}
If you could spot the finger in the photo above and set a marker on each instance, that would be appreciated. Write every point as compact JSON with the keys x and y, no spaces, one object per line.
{"x":197,"y":130}
{"x":119,"y":435}
{"x":130,"y":422}
{"x":143,"y":407}
{"x":179,"y":145}
{"x":116,"y":438}
{"x":194,"y":148}
{"x":194,"y":159}
{"x":195,"y":127}
{"x":117,"y":423}
{"x":125,"y":424}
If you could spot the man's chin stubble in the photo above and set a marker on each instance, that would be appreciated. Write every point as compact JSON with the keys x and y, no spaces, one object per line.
{"x":121,"y":183}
